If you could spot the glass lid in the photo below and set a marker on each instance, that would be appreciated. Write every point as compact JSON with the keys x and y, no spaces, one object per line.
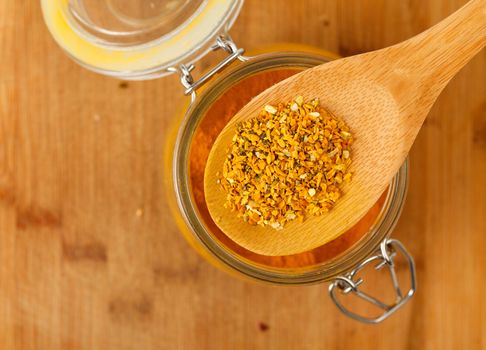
{"x":137,"y":39}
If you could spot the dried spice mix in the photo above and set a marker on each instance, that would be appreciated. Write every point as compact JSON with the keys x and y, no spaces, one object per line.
{"x":287,"y":163}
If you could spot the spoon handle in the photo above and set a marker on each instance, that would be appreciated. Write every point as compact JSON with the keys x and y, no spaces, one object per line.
{"x":441,"y":51}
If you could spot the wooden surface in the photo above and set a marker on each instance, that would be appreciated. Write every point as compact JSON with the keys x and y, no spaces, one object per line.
{"x":384,"y":97}
{"x":90,"y":257}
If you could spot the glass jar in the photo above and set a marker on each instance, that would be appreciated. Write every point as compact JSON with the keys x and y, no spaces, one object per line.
{"x":195,"y":134}
{"x":141,"y":52}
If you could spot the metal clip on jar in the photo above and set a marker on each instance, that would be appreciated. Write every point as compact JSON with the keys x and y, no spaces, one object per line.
{"x":156,"y":38}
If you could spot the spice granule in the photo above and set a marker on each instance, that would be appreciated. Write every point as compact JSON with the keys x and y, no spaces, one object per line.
{"x":287,"y":163}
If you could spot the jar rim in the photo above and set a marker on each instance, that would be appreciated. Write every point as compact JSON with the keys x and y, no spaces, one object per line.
{"x":325,"y":271}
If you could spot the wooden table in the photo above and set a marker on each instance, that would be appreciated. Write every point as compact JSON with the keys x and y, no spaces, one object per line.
{"x":90,"y":257}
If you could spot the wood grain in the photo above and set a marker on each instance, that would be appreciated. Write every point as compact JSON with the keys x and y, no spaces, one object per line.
{"x":90,"y":257}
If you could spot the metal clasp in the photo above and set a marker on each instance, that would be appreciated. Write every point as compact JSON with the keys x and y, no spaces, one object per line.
{"x":222,"y":42}
{"x":385,"y":257}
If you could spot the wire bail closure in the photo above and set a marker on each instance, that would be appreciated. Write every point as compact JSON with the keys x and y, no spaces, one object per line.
{"x":385,"y":257}
{"x":224,"y":42}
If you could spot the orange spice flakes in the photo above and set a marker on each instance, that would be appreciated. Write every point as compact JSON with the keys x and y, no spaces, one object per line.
{"x":287,"y":163}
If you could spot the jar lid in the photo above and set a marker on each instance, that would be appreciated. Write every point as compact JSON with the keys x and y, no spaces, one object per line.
{"x":137,"y":39}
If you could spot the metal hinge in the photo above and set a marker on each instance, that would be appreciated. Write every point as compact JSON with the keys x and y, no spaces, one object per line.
{"x":222,"y":42}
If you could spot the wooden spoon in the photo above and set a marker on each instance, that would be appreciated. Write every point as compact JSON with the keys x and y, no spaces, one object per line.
{"x":384,"y":97}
